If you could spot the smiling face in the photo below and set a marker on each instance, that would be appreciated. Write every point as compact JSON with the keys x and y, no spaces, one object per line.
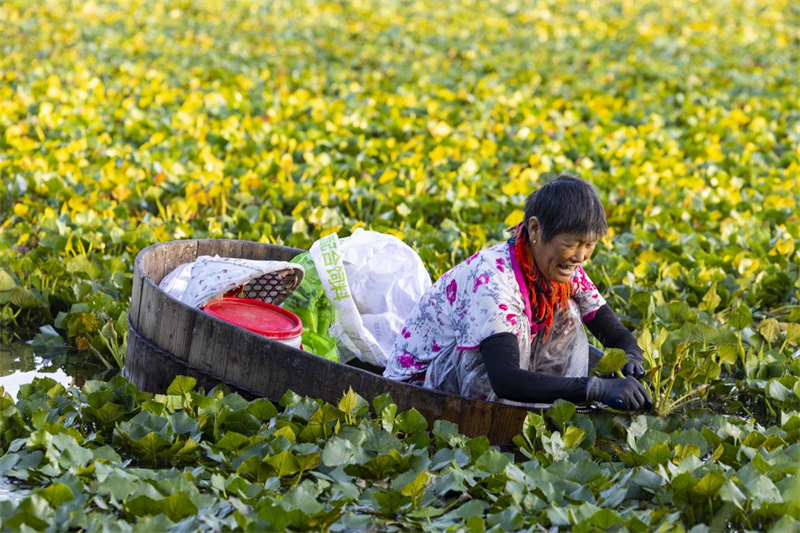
{"x":558,"y":258}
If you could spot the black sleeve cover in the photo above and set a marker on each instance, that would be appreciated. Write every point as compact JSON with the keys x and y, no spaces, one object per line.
{"x":609,"y":330}
{"x":501,"y":356}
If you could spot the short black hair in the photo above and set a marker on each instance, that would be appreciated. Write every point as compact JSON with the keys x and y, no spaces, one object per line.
{"x":566,"y":205}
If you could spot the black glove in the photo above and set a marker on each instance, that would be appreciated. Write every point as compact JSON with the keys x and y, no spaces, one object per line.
{"x":623,"y":394}
{"x":633,"y":368}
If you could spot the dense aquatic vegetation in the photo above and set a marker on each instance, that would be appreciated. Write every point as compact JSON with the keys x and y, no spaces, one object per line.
{"x":122,"y":125}
{"x":192,"y":461}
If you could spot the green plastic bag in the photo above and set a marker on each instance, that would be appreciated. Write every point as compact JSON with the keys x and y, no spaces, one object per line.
{"x":310,"y":303}
{"x":321,"y":345}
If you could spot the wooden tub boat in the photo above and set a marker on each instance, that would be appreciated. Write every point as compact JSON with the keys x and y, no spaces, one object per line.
{"x":169,"y":338}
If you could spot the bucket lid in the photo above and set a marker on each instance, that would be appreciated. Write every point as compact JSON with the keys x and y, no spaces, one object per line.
{"x":259,"y":317}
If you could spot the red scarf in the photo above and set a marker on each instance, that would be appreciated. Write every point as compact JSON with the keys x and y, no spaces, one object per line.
{"x":546,"y":295}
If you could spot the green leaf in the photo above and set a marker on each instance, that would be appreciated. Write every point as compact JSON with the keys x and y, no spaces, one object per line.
{"x":392,"y":502}
{"x":181,"y":385}
{"x":604,"y":520}
{"x":106,"y":453}
{"x":157,"y":408}
{"x":533,"y":428}
{"x":729,"y":492}
{"x":648,"y":480}
{"x":584,"y":472}
{"x":289,"y":398}
{"x":770,"y":330}
{"x":189,"y":447}
{"x":793,"y":334}
{"x":302,"y":498}
{"x":382,"y":402}
{"x":509,"y":519}
{"x":476,"y":524}
{"x":282,"y":464}
{"x":382,"y":442}
{"x":287,"y":432}
{"x":321,"y":424}
{"x":776,"y":391}
{"x":691,"y":437}
{"x":700,"y":333}
{"x":56,"y":494}
{"x":786,"y":524}
{"x":338,"y":452}
{"x":107,"y":414}
{"x":411,"y":421}
{"x":262,"y":409}
{"x":376,"y":468}
{"x":8,"y":461}
{"x":709,"y":369}
{"x":142,"y":505}
{"x":762,"y":491}
{"x":232,"y":441}
{"x":279,"y":519}
{"x":182,"y":423}
{"x":388,"y":417}
{"x":709,"y":485}
{"x":70,"y":454}
{"x":240,"y":421}
{"x":711,"y":300}
{"x":612,"y":362}
{"x":682,"y":486}
{"x":741,"y":317}
{"x":492,"y":462}
{"x":119,"y":484}
{"x":562,"y":412}
{"x":416,"y":488}
{"x":235,"y":402}
{"x":445,"y":432}
{"x":573,"y":437}
{"x":352,"y":404}
{"x":151,"y":445}
{"x":308,"y":461}
{"x":658,"y":454}
{"x":177,"y":507}
{"x":477,"y":447}
{"x":729,"y":353}
{"x":7,"y":283}
{"x":470,"y":509}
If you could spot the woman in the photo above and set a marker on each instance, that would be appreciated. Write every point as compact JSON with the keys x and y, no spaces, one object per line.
{"x":507,"y":323}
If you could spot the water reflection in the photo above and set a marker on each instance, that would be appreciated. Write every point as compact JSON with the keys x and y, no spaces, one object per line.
{"x":21,"y":363}
{"x":10,"y":492}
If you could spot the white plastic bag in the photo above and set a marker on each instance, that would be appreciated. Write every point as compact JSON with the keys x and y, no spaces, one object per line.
{"x":374,"y":281}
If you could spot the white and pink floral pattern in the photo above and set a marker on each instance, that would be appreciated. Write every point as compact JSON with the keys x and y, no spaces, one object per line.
{"x":476,"y":299}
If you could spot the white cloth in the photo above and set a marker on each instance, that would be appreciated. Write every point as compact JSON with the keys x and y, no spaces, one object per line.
{"x":201,"y":281}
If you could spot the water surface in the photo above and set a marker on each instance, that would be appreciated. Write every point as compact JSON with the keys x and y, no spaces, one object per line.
{"x":21,"y":363}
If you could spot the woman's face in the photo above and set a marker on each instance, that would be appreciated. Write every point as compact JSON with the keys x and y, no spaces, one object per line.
{"x":558,"y":258}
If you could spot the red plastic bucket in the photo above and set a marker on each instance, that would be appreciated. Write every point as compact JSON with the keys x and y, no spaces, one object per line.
{"x":259,"y":317}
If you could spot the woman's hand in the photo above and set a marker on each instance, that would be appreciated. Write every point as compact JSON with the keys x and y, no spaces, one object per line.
{"x":625,"y":394}
{"x":633,"y":368}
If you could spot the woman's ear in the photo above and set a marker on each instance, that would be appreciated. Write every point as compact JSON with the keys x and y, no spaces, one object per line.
{"x":533,"y":229}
